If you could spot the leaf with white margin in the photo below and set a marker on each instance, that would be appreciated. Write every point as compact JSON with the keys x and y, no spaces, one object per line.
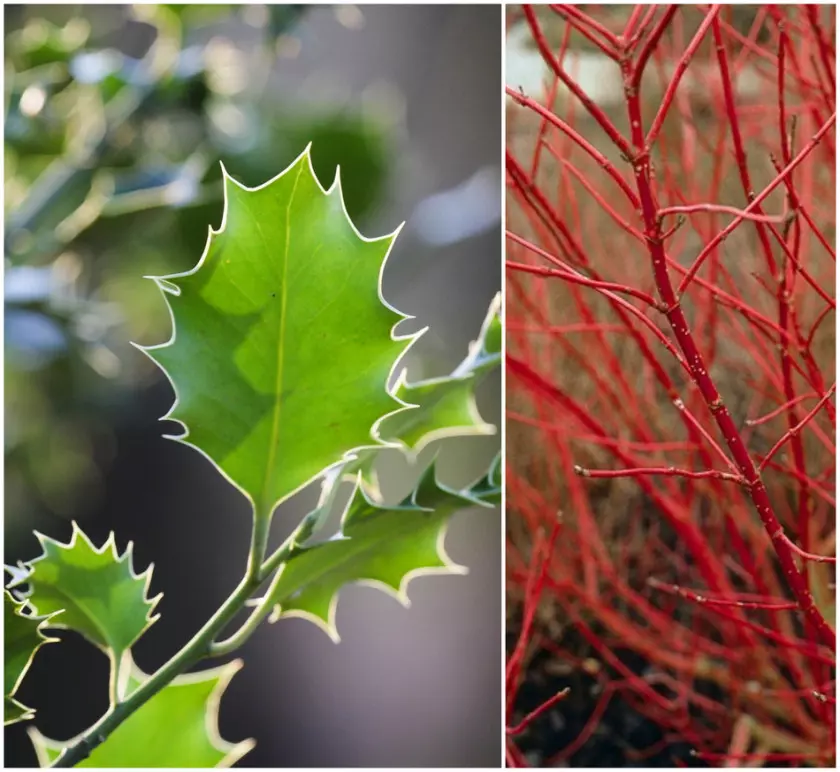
{"x":22,"y":637}
{"x":446,"y":406}
{"x":282,"y":344}
{"x":384,"y":546}
{"x":177,"y":728}
{"x":96,"y":588}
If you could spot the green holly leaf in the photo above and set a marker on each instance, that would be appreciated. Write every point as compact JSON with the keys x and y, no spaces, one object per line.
{"x":384,"y":546}
{"x":176,"y":728}
{"x":446,"y":406}
{"x":22,"y":638}
{"x":96,"y":588}
{"x":282,"y":344}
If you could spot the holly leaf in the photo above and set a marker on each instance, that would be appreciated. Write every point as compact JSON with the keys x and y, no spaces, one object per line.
{"x":282,"y":344}
{"x":22,"y":638}
{"x":96,"y":588}
{"x":380,"y":545}
{"x":446,"y":407}
{"x":176,"y":728}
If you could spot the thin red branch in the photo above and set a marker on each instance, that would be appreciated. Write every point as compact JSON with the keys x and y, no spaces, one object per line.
{"x":669,"y":471}
{"x":536,"y":713}
{"x":689,"y":208}
{"x":596,"y":112}
{"x":792,"y":432}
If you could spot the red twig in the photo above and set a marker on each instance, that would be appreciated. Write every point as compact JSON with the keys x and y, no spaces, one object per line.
{"x":792,"y":432}
{"x":669,"y":471}
{"x":720,"y":208}
{"x":756,"y":202}
{"x":536,"y":713}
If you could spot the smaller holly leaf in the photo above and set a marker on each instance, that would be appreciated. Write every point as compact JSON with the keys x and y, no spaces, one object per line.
{"x":101,"y":596}
{"x":176,"y":728}
{"x":384,"y":546}
{"x":446,"y":407}
{"x":22,"y":638}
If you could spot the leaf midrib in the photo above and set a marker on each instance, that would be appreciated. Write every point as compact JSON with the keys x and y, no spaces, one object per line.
{"x":88,"y":614}
{"x":278,"y":385}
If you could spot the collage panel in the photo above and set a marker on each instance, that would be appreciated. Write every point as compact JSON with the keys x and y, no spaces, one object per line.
{"x":310,"y":574}
{"x":309,"y":462}
{"x":670,"y":385}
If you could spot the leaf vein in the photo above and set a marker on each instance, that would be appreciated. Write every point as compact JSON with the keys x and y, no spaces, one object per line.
{"x":278,"y":388}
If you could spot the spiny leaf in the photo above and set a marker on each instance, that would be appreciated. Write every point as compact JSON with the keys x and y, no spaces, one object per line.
{"x":446,"y":406}
{"x":282,"y":344}
{"x":100,"y":595}
{"x":22,"y":638}
{"x":176,"y":728}
{"x":385,"y":546}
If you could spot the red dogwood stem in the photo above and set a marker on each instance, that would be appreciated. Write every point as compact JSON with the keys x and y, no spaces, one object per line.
{"x":700,"y":374}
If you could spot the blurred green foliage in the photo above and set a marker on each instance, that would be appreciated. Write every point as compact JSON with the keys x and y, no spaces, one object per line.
{"x":116,"y":120}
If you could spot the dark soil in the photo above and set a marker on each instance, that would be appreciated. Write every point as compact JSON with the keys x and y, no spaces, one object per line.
{"x":621,"y":734}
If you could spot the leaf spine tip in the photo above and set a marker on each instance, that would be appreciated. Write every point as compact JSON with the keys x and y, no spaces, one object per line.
{"x":111,"y":542}
{"x":233,"y":667}
{"x":396,"y":231}
{"x":336,"y":183}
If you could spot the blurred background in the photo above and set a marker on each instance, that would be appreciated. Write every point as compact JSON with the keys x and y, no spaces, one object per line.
{"x":116,"y":120}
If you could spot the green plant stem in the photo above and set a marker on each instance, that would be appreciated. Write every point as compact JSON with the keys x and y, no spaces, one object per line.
{"x":196,"y":649}
{"x":113,"y":683}
{"x":259,"y":544}
{"x":189,"y":655}
{"x":277,"y":558}
{"x":258,"y":569}
{"x":233,"y":642}
{"x":284,"y":551}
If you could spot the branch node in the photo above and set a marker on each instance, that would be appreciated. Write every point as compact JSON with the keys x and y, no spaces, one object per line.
{"x":668,"y":309}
